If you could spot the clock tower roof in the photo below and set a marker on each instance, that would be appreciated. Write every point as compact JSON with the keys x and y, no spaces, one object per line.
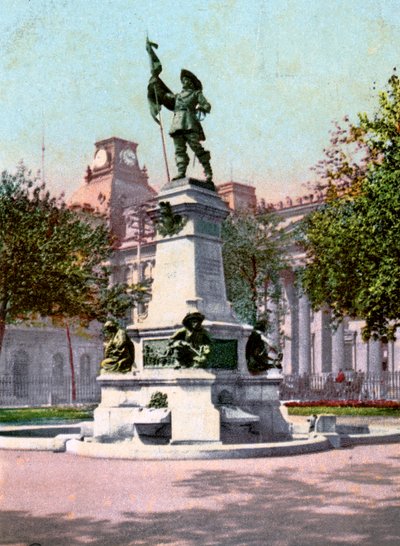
{"x":113,"y":182}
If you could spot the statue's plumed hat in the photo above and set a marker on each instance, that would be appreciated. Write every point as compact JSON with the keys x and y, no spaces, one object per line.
{"x":194,"y":79}
{"x":196,"y":315}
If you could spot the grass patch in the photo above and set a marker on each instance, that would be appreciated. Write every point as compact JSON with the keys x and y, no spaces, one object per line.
{"x":357,"y":412}
{"x":40,"y":415}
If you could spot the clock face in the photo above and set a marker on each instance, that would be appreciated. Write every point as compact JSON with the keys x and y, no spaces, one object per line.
{"x":100,"y":158}
{"x":128,"y":157}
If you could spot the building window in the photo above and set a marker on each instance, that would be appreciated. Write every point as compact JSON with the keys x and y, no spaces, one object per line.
{"x":84,"y":369}
{"x":57,"y":369}
{"x":20,"y":374}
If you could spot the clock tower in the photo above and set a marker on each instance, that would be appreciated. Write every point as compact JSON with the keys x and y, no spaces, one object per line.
{"x":116,"y":154}
{"x":113,"y":182}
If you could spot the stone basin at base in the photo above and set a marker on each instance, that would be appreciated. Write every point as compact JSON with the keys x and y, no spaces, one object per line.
{"x":153,"y":424}
{"x":135,"y":449}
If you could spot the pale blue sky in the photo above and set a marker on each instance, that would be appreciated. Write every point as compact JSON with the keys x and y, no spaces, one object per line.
{"x":276,"y":72}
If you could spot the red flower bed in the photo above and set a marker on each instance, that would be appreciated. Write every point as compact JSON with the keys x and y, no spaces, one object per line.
{"x":346,"y":404}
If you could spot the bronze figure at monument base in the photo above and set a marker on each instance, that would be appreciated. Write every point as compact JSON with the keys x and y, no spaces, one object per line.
{"x":119,"y":351}
{"x":190,"y":345}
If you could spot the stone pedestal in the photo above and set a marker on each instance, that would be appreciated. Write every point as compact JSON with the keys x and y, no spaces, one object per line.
{"x":124,"y":401}
{"x":194,"y":418}
{"x":189,"y":276}
{"x":188,"y":273}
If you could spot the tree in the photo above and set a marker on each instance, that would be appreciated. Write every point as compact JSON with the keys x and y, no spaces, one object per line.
{"x":52,"y":262}
{"x":352,"y":241}
{"x":114,"y":301}
{"x":345,"y":163}
{"x":253,"y":257}
{"x":50,"y":258}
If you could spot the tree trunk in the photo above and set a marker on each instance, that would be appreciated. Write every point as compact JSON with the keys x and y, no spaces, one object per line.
{"x":2,"y":332}
{"x":3,"y":316}
{"x":71,"y":363}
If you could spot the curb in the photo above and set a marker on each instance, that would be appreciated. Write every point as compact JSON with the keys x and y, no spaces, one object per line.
{"x":135,"y":449}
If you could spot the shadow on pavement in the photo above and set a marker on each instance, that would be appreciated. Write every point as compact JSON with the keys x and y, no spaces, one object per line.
{"x":271,"y":508}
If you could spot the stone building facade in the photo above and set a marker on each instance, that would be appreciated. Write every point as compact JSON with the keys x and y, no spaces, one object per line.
{"x":35,"y":366}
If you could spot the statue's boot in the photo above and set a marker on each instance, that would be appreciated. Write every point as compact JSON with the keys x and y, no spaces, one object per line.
{"x":205,"y":163}
{"x":181,"y":174}
{"x":182,"y":161}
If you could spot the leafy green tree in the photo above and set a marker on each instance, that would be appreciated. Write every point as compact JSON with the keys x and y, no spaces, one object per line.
{"x":50,"y":258}
{"x":346,"y":161}
{"x":352,"y":241}
{"x":114,"y":301}
{"x":253,"y":256}
{"x":52,"y":262}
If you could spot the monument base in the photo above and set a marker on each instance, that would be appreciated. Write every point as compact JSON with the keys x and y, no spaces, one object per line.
{"x":124,"y":405}
{"x":258,"y":396}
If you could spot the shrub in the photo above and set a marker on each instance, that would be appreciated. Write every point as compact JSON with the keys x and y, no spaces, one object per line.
{"x":158,"y":400}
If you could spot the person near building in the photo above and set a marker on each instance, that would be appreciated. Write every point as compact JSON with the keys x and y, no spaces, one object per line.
{"x":340,"y":381}
{"x":340,"y":378}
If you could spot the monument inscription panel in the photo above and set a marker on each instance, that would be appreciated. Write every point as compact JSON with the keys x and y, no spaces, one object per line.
{"x":207,"y":228}
{"x":223,"y":355}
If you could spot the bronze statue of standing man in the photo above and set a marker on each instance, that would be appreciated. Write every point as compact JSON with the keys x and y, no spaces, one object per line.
{"x":189,"y":106}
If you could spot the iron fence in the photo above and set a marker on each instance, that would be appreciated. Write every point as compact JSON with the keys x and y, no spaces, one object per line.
{"x":21,"y":391}
{"x":356,"y":386}
{"x":25,"y":391}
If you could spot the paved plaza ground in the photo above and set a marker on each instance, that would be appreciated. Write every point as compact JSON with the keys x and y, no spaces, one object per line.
{"x":348,"y":496}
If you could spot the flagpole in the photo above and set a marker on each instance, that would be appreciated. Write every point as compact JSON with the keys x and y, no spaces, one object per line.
{"x":164,"y":148}
{"x":162,"y":136}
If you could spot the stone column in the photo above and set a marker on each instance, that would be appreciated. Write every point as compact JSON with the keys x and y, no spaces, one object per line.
{"x":338,"y":348}
{"x":391,"y":356}
{"x":323,"y":341}
{"x":304,"y":335}
{"x":375,"y":356}
{"x":362,"y":350}
{"x":291,"y":327}
{"x":274,"y":334}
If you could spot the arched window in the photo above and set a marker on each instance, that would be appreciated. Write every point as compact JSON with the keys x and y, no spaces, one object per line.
{"x":20,"y":363}
{"x":20,"y":374}
{"x":57,"y":370}
{"x":84,"y":369}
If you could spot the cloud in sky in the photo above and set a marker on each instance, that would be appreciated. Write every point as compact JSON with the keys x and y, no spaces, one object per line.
{"x":276,"y":72}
